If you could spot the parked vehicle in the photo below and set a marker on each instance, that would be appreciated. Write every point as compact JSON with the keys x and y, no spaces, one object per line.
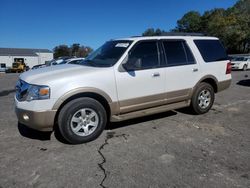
{"x":18,"y":67}
{"x":240,"y":63}
{"x":2,"y":67}
{"x":72,"y":61}
{"x":39,"y":66}
{"x":57,"y":61}
{"x":123,"y":79}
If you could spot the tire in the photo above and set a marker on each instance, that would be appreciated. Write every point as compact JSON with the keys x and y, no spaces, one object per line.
{"x":82,"y":120}
{"x":245,"y":68}
{"x":202,"y":99}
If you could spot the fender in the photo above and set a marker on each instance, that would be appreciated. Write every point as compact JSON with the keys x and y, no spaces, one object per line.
{"x":204,"y":78}
{"x":114,"y":106}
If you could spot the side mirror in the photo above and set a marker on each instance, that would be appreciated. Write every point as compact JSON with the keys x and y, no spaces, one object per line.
{"x":133,"y":64}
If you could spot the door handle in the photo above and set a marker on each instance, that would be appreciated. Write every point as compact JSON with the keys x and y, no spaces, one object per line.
{"x":156,"y":74}
{"x":195,"y":69}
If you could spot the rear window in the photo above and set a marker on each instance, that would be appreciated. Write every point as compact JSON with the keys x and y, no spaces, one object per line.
{"x":211,"y":50}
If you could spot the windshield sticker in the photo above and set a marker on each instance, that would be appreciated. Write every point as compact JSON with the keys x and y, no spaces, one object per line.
{"x":122,"y":45}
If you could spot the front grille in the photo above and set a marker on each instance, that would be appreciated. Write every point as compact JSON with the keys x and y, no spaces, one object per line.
{"x":21,"y":90}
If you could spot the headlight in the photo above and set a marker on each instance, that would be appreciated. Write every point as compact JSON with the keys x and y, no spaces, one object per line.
{"x":38,"y":93}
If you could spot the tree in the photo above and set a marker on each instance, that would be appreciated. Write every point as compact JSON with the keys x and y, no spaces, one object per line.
{"x":84,"y":51}
{"x":61,"y":50}
{"x":230,"y":25}
{"x":190,"y":22}
{"x":75,"y":50}
{"x":153,"y":32}
{"x":149,"y":32}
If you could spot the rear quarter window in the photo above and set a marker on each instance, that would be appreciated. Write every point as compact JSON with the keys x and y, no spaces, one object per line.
{"x":211,"y":50}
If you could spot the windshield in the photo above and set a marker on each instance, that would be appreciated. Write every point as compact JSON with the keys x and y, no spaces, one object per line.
{"x":239,"y":59}
{"x":108,"y":54}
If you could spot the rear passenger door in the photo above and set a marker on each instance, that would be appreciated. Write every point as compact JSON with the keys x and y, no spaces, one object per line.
{"x":182,"y":71}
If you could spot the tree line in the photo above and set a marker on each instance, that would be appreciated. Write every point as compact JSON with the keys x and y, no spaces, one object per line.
{"x":75,"y":50}
{"x":231,"y":25}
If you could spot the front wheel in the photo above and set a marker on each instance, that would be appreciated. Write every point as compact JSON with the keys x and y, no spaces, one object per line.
{"x":82,"y":120}
{"x":202,"y":99}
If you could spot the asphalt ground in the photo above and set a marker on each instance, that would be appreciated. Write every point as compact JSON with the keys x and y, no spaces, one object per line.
{"x":172,"y":149}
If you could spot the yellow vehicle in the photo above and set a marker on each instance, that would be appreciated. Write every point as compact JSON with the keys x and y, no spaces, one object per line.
{"x":18,"y":65}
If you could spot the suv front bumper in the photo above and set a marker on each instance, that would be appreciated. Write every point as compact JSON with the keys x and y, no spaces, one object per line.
{"x":42,"y":121}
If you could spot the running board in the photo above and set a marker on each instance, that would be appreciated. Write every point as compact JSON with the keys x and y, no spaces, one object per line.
{"x":149,"y":111}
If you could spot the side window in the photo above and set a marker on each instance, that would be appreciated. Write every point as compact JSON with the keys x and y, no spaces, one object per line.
{"x":178,"y":53}
{"x":146,"y":54}
{"x":211,"y":50}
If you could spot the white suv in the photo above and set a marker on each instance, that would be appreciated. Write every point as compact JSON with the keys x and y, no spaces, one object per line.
{"x":123,"y":79}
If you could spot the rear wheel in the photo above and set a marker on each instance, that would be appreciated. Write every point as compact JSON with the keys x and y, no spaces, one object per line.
{"x":202,"y":99}
{"x":82,"y":120}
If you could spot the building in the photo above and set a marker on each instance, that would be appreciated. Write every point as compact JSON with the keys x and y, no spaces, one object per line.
{"x":30,"y":57}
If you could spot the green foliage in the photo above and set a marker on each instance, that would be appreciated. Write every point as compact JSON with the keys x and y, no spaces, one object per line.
{"x":75,"y":50}
{"x":61,"y":50}
{"x":232,"y":26}
{"x":153,"y":32}
{"x":190,"y":22}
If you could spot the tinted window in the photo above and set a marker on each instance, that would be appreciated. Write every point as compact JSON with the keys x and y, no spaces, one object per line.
{"x":211,"y":50}
{"x":178,"y":53}
{"x":147,"y":53}
{"x":108,"y":54}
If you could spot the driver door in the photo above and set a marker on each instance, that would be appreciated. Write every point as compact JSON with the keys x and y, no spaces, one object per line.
{"x":141,"y":80}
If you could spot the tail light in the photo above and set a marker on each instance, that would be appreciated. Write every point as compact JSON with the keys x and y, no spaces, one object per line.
{"x":229,"y":68}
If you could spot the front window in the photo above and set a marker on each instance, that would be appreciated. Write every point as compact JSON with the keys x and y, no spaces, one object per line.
{"x":108,"y":54}
{"x":146,"y":54}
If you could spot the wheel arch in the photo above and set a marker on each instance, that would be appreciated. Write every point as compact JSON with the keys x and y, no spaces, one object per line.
{"x":99,"y":95}
{"x":210,"y":79}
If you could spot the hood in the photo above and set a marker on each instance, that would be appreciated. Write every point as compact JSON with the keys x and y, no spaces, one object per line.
{"x":49,"y":74}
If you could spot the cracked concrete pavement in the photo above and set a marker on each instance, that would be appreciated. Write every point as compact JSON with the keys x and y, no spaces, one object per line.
{"x":171,"y":149}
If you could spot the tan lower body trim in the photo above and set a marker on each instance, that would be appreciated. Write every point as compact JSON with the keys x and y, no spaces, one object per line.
{"x":140,"y":103}
{"x":224,"y":85}
{"x":42,"y":121}
{"x":149,"y":111}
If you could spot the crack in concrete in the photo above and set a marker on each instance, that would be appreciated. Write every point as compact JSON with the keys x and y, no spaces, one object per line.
{"x":108,"y":136}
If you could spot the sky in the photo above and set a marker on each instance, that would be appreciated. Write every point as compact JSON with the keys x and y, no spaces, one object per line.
{"x":48,"y":23}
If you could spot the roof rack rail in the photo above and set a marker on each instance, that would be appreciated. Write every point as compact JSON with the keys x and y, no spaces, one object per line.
{"x":175,"y":34}
{"x":181,"y":34}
